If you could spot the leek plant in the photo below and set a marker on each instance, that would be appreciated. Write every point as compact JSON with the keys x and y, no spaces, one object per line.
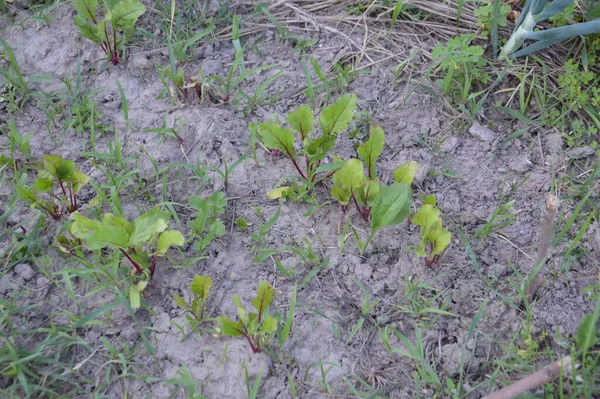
{"x":536,"y":11}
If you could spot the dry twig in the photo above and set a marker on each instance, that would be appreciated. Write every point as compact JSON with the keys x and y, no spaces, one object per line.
{"x":542,"y":376}
{"x":548,"y":216}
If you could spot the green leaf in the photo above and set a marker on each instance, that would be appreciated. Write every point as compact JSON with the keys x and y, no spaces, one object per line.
{"x":335,"y":118}
{"x":180,"y":301}
{"x":168,"y":238}
{"x":317,"y":149}
{"x":86,"y":29}
{"x":341,"y":195}
{"x":390,"y":205}
{"x":51,"y":163}
{"x":201,"y":286}
{"x":406,"y":172}
{"x":148,"y":224}
{"x":242,"y":315}
{"x":428,"y":218}
{"x":82,"y":227}
{"x":26,"y":194}
{"x":107,"y":236}
{"x":85,"y":8}
{"x":274,"y":137}
{"x":135,"y":291}
{"x":217,"y":202}
{"x":229,"y":327}
{"x":43,"y":185}
{"x":302,"y":120}
{"x":440,"y":238}
{"x":241,"y":223}
{"x":118,"y":221}
{"x":277,"y":193}
{"x":268,"y":325}
{"x":125,"y":13}
{"x":264,"y":297}
{"x":347,"y":180}
{"x":371,"y":149}
{"x":368,"y":192}
{"x":78,"y":180}
{"x":351,"y":175}
{"x":64,"y":170}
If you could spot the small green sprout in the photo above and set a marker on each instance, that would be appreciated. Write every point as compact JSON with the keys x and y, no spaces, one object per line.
{"x":206,"y":226}
{"x":200,"y":287}
{"x":434,"y":237}
{"x":114,"y":30}
{"x":142,"y":242}
{"x":258,"y":328}
{"x":59,"y":182}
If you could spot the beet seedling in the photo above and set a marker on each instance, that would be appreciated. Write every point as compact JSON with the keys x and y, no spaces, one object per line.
{"x":434,"y":237}
{"x":114,"y":30}
{"x":200,"y":287}
{"x":258,"y":328}
{"x":312,"y":148}
{"x":142,"y":242}
{"x":59,"y":182}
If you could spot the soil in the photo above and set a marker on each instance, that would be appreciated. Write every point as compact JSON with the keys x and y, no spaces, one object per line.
{"x":465,"y":164}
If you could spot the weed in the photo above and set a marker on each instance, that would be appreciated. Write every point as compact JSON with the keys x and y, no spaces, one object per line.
{"x":502,"y":217}
{"x":259,"y":239}
{"x":206,"y":226}
{"x":484,"y":14}
{"x":258,"y":328}
{"x":461,"y":65}
{"x":114,"y":30}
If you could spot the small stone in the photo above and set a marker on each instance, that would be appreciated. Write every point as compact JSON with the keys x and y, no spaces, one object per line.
{"x":24,"y":271}
{"x":499,"y":270}
{"x":521,"y":166}
{"x":212,"y":67}
{"x":6,"y":285}
{"x":481,"y":132}
{"x":140,"y":61}
{"x":581,"y":152}
{"x":363,"y":271}
{"x":450,"y":145}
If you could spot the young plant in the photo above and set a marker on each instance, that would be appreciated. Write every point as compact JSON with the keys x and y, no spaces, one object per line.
{"x":461,"y":65}
{"x":57,"y":185}
{"x":258,"y":328}
{"x":200,"y":287}
{"x":142,"y":242}
{"x":206,"y":226}
{"x":114,"y":30}
{"x":434,"y":237}
{"x":312,"y":148}
{"x":350,"y":182}
{"x":536,"y":11}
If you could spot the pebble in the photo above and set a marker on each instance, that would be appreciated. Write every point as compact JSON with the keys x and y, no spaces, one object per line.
{"x":450,"y":145}
{"x":581,"y":152}
{"x":24,"y":271}
{"x":521,"y":166}
{"x":481,"y":132}
{"x":6,"y":285}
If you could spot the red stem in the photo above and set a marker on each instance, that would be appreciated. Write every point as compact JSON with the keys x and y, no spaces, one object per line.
{"x":358,"y":207}
{"x":137,"y":267}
